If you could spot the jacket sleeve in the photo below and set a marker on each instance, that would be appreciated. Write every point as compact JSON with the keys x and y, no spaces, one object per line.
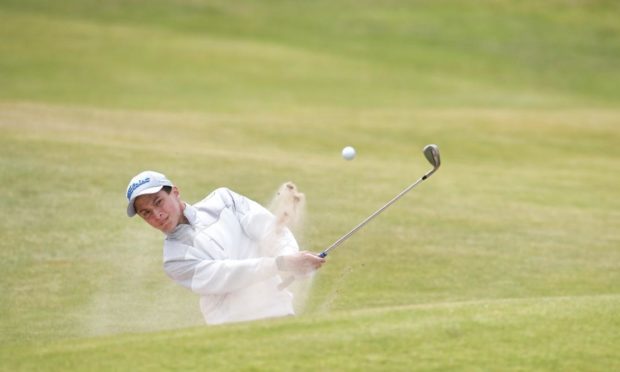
{"x":257,"y":221}
{"x":208,"y":276}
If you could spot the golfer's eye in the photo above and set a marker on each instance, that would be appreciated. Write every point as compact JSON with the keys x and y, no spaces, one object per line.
{"x":145,"y":214}
{"x":158,"y":202}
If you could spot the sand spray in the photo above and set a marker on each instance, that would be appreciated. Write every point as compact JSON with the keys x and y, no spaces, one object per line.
{"x":289,"y":207}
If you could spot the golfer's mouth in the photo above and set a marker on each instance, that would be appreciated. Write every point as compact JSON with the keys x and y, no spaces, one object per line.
{"x":164,"y":222}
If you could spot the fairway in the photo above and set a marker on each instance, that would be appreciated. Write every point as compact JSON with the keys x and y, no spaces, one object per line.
{"x":507,"y":258}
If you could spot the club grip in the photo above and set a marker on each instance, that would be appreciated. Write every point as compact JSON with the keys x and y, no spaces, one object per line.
{"x":287,"y":281}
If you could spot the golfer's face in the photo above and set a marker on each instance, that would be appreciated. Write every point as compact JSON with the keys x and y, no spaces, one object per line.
{"x":163,"y":211}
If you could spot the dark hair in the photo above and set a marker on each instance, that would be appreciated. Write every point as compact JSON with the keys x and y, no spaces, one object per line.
{"x":167,"y":189}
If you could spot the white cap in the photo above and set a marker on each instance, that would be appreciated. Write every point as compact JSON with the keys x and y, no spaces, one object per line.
{"x":147,"y":182}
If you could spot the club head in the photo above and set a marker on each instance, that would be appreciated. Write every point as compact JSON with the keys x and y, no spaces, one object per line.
{"x":431,"y":152}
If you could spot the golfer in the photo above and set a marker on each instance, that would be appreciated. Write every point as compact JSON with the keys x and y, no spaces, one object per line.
{"x":212,"y":248}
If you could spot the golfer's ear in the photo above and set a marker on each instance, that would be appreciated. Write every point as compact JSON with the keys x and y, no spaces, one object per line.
{"x":176,"y":192}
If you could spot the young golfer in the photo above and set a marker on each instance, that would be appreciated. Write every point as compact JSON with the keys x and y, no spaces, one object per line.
{"x":213,"y":248}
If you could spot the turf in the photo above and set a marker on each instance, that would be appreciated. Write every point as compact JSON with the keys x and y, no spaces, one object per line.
{"x":506,"y":259}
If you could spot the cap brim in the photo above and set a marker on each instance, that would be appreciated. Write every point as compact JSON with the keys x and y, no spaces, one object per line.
{"x":131,"y":211}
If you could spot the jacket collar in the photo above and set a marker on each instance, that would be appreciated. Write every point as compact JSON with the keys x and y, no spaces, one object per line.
{"x":191,"y":214}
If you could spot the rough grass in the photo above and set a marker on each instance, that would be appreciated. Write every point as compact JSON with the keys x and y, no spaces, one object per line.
{"x":280,"y":54}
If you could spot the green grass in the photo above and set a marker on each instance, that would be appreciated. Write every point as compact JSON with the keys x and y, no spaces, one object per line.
{"x":528,"y":334}
{"x":506,"y":259}
{"x":279,"y":54}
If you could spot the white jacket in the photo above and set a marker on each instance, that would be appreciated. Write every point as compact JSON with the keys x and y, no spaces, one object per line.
{"x":217,"y":256}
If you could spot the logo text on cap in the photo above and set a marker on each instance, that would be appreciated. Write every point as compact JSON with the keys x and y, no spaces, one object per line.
{"x":135,"y":185}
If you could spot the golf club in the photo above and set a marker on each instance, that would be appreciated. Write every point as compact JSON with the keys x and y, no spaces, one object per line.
{"x":431,"y":153}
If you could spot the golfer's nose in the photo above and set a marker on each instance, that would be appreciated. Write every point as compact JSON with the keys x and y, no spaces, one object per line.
{"x":159,"y":214}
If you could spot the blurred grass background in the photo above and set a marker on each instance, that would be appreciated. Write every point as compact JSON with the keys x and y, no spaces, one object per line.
{"x":506,"y":259}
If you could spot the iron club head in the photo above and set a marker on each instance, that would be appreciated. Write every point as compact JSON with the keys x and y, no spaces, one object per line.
{"x":431,"y":152}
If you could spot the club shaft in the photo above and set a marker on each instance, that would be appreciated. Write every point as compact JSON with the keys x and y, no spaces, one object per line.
{"x":375,"y":214}
{"x":287,"y":281}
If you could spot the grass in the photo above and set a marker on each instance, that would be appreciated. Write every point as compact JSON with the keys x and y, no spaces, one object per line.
{"x":519,"y":334}
{"x":391,"y":55}
{"x":506,"y":259}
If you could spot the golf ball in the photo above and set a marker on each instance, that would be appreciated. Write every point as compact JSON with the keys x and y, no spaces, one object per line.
{"x":348,"y":153}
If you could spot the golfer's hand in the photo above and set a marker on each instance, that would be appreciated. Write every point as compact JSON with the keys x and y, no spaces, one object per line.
{"x":300,"y":263}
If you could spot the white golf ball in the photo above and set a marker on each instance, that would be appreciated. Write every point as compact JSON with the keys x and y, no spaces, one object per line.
{"x":348,"y":153}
